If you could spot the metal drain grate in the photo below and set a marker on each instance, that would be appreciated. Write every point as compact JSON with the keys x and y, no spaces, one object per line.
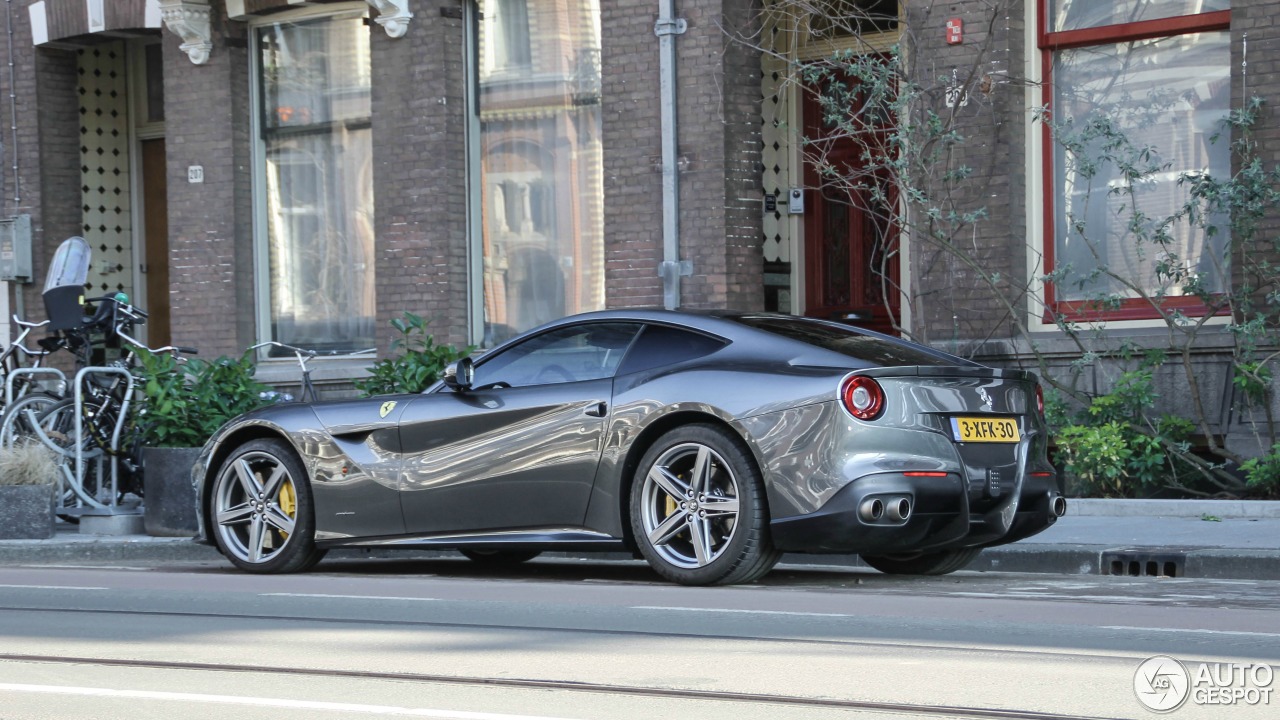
{"x":1138,"y":562}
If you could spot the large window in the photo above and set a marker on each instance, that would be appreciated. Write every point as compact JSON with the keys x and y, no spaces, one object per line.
{"x":1144,"y":82}
{"x":316,"y":174}
{"x":541,"y":165}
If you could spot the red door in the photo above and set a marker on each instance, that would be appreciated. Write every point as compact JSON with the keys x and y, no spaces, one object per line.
{"x":850,"y":237}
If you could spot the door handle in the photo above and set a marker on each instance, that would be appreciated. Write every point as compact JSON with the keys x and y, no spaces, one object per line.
{"x":599,"y":409}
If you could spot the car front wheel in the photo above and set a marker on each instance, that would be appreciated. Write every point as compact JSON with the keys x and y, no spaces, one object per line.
{"x":262,"y":513}
{"x":698,"y":510}
{"x":935,"y":563}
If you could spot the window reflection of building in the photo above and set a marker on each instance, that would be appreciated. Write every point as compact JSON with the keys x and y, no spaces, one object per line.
{"x":1168,"y":94}
{"x":507,"y":23}
{"x":541,"y":162}
{"x":317,"y":174}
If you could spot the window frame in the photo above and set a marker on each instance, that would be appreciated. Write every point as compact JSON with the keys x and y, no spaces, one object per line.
{"x":261,"y":252}
{"x":1048,"y":43}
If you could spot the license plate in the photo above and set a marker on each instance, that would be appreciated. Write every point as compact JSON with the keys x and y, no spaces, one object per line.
{"x":982,"y":429}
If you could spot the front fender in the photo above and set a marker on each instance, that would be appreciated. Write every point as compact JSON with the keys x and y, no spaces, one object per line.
{"x":271,"y":422}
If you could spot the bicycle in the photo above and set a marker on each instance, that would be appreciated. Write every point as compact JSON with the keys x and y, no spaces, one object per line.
{"x":19,"y":378}
{"x":95,"y":424}
{"x":307,"y":392}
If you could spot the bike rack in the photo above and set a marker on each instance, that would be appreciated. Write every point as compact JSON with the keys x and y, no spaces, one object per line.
{"x":97,"y":507}
{"x":8,"y":383}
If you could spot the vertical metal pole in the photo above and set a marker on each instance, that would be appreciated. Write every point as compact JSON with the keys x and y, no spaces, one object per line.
{"x":13,"y":106}
{"x":667,"y":27}
{"x":474,"y":172}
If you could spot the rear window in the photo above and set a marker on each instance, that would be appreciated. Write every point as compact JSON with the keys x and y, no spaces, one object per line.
{"x":662,"y":345}
{"x":848,"y":341}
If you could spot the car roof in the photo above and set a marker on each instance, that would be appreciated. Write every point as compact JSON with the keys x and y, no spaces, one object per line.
{"x":728,"y":325}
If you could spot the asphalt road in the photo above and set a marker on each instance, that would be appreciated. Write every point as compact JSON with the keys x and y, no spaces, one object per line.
{"x":445,"y":639}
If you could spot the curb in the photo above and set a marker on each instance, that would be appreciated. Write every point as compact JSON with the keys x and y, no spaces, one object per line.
{"x":15,"y":552}
{"x":1056,"y":559}
{"x":1106,"y":507}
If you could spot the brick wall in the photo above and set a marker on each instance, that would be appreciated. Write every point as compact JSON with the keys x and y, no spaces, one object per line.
{"x":632,"y":154}
{"x":210,"y":243}
{"x":952,"y":305}
{"x":44,"y":147}
{"x":49,"y":161}
{"x":718,"y":100}
{"x":420,"y":193}
{"x":1254,"y":25}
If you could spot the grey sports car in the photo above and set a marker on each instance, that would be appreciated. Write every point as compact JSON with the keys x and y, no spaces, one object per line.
{"x":708,"y":443}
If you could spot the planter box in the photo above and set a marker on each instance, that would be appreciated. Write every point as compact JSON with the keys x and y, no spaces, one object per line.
{"x":26,"y":512}
{"x":169,"y":501}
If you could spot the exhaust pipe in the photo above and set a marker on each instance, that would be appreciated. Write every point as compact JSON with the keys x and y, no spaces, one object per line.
{"x":1058,"y":506}
{"x":899,"y":509}
{"x":871,"y":509}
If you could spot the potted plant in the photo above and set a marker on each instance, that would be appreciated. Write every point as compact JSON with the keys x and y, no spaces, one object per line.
{"x":185,"y":403}
{"x":28,"y":489}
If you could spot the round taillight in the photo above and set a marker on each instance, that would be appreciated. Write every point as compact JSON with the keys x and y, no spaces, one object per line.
{"x":1040,"y":399}
{"x":862,"y":397}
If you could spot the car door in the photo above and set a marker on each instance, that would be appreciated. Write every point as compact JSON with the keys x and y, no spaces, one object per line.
{"x":519,"y":449}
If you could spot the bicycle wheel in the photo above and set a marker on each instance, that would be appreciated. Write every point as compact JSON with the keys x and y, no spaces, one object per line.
{"x":22,"y":420}
{"x":50,"y":420}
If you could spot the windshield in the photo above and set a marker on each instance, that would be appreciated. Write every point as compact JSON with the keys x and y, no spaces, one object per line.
{"x":881,"y":350}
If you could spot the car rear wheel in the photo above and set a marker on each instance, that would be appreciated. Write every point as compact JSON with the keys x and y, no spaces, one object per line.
{"x":698,"y":509}
{"x":262,"y":513}
{"x":935,"y":563}
{"x":500,"y":558}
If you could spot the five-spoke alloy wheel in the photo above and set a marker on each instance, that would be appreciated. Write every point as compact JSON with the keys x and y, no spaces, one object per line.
{"x":698,"y":510}
{"x":262,"y":514}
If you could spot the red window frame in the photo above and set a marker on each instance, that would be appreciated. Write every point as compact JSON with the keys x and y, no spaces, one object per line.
{"x":1051,"y":42}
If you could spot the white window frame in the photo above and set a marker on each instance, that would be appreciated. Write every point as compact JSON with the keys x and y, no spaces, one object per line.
{"x":258,"y":181}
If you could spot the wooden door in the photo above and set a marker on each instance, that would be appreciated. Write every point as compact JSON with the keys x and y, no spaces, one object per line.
{"x":850,"y":237}
{"x":155,"y":213}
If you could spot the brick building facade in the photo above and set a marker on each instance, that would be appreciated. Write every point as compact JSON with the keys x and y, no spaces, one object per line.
{"x":514,"y":164}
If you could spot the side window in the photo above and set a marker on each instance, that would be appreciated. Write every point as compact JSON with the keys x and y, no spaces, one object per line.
{"x":569,"y":354}
{"x":661,"y":345}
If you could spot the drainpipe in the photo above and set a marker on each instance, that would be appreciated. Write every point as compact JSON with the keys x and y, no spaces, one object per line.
{"x":13,"y":105}
{"x":667,"y":27}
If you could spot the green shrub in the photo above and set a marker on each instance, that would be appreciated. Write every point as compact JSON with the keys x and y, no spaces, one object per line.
{"x":1262,"y":474}
{"x":1112,"y":448}
{"x":1096,"y":457}
{"x":187,"y":402}
{"x":419,"y":364}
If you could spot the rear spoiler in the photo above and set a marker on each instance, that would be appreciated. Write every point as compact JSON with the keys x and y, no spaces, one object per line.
{"x":949,"y":371}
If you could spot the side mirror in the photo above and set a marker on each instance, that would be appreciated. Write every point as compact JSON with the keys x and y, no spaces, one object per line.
{"x":458,"y":375}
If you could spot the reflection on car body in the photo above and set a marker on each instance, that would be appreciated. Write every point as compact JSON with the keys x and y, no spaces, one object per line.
{"x":709,"y":443}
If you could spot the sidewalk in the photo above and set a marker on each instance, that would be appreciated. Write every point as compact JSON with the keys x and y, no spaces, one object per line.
{"x":1183,"y":538}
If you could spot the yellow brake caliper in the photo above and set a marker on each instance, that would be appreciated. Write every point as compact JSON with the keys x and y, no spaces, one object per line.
{"x":288,"y":501}
{"x":671,"y":502}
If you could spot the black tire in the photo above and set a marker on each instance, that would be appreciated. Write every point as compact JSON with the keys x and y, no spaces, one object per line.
{"x":233,"y":512}
{"x":500,"y":558}
{"x":935,"y":563}
{"x":738,"y":547}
